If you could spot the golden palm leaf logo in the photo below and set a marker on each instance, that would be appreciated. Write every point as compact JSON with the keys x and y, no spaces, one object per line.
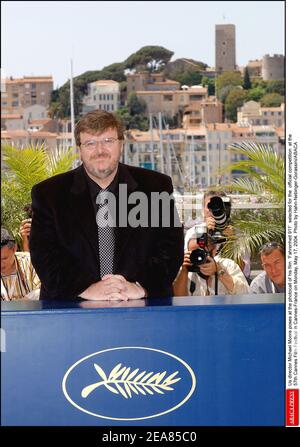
{"x":121,"y":380}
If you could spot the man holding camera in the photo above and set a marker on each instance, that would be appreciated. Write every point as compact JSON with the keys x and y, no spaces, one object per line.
{"x":209,"y":274}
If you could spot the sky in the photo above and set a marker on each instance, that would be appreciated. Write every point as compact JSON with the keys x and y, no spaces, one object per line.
{"x":41,"y":38}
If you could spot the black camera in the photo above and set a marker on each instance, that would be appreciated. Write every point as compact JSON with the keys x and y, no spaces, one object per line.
{"x":199,"y":255}
{"x":220,"y":208}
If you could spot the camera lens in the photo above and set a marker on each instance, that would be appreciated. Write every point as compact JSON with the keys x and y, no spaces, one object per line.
{"x":198,"y":256}
{"x":217,"y":207}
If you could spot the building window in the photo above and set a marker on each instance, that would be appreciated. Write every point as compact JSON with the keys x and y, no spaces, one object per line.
{"x":33,"y":86}
{"x":15,"y":95}
{"x":15,"y":103}
{"x":168,"y":98}
{"x":112,"y":107}
{"x":196,"y":97}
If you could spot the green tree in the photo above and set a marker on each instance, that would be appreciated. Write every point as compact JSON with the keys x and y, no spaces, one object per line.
{"x":271,"y":100}
{"x":277,"y":86}
{"x":265,"y":180}
{"x":134,"y":114}
{"x":226,"y":82}
{"x":190,"y":78}
{"x":247,"y":82}
{"x":135,"y":105}
{"x":23,"y":169}
{"x":151,"y":57}
{"x":185,"y":71}
{"x":234,"y":100}
{"x":210,"y":83}
{"x":255,"y":94}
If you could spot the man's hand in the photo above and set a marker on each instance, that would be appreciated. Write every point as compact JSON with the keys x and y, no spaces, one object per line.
{"x":110,"y":289}
{"x":25,"y":228}
{"x":131,"y":290}
{"x":209,"y":268}
{"x":113,"y":287}
{"x":186,"y":261}
{"x":210,"y":222}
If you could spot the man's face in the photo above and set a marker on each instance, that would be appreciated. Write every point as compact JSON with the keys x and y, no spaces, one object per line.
{"x":102,"y":161}
{"x":7,"y":260}
{"x":273,"y":265}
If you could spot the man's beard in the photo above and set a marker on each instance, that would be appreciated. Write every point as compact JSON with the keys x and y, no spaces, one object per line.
{"x":101,"y":173}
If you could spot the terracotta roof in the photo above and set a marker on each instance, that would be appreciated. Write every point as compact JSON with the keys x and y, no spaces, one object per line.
{"x":40,"y":122}
{"x":105,"y":81}
{"x":273,"y":109}
{"x":24,"y":80}
{"x":11,"y":116}
{"x":65,"y":135}
{"x":164,"y":82}
{"x":19,"y":133}
{"x":255,"y":63}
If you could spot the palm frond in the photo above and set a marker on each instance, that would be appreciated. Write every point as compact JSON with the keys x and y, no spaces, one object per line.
{"x":264,"y":177}
{"x":60,"y":161}
{"x":260,"y":157}
{"x":28,"y":165}
{"x":250,"y":235}
{"x":259,"y":187}
{"x":22,"y":169}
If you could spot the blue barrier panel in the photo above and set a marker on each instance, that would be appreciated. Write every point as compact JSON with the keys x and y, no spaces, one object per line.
{"x":199,"y":361}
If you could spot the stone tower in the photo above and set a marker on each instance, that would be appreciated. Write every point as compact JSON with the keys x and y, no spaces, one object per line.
{"x":225,"y":48}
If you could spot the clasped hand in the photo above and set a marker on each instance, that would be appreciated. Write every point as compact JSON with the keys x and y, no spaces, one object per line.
{"x":113,"y":287}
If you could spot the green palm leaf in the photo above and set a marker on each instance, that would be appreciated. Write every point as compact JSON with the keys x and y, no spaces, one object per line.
{"x":264,"y":177}
{"x":22,"y":169}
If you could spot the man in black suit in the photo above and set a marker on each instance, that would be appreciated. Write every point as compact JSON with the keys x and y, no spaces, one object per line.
{"x":74,"y":253}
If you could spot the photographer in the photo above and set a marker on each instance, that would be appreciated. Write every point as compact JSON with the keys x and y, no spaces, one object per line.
{"x":217,"y":218}
{"x":215,"y":276}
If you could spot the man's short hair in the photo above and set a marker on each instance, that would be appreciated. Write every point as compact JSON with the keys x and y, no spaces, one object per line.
{"x":7,"y":239}
{"x":98,"y":121}
{"x":269,"y":247}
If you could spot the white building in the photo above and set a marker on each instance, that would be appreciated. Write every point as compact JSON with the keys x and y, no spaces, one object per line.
{"x":252,"y":113}
{"x":103,"y":94}
{"x":195,"y":157}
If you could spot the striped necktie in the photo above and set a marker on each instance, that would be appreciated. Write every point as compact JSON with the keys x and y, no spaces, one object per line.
{"x":106,"y":234}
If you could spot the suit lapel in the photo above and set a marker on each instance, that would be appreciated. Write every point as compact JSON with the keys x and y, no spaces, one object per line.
{"x":83,"y":211}
{"x":124,"y":234}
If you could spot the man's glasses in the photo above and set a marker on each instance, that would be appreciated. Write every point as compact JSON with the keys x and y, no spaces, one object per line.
{"x":270,"y":245}
{"x":6,"y":241}
{"x":107,"y":143}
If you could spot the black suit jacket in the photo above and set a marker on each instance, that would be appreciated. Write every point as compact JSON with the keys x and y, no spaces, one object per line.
{"x":64,"y":237}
